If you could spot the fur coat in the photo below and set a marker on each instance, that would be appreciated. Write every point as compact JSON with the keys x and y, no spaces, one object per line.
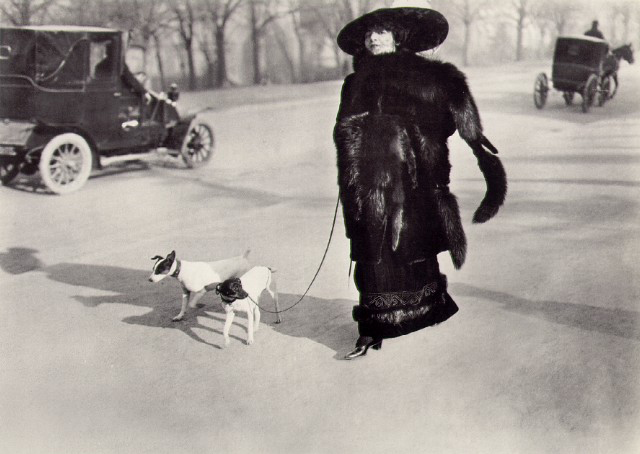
{"x":396,"y":113}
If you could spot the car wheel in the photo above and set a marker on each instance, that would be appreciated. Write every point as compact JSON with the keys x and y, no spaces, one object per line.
{"x":540,"y":90}
{"x":65,"y":163}
{"x":9,"y":169}
{"x":198,"y":145}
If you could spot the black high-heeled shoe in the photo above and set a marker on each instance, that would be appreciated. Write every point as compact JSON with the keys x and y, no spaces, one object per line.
{"x":361,"y":350}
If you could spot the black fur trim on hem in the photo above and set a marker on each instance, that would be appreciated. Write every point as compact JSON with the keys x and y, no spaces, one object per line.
{"x":402,"y":322}
{"x":392,"y":314}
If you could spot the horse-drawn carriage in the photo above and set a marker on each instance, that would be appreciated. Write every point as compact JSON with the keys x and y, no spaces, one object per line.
{"x":583,"y":65}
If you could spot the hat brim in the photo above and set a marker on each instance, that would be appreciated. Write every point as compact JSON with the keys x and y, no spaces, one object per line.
{"x":415,"y":29}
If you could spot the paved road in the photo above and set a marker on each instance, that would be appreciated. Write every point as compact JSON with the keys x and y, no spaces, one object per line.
{"x":543,"y":356}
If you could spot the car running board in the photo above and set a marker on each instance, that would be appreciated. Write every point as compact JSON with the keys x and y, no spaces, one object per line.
{"x":108,"y":160}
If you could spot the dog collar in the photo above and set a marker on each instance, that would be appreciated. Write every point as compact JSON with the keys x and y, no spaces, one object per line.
{"x":227,"y":299}
{"x":177,"y":271}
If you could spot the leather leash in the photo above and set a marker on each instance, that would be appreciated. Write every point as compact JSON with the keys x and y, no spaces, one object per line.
{"x":333,"y":225}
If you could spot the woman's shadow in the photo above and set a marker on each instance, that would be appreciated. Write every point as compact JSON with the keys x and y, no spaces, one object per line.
{"x":324,"y":321}
{"x":327,"y":322}
{"x":611,"y":321}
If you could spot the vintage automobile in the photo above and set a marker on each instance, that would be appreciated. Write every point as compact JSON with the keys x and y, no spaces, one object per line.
{"x":577,"y":68}
{"x":64,"y":112}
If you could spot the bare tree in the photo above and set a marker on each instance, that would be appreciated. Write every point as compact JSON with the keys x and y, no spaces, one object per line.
{"x":519,"y":12}
{"x":219,"y":13}
{"x":206,"y":49}
{"x":148,"y":19}
{"x":638,"y":22}
{"x":93,"y":12}
{"x":468,"y":12}
{"x":25,"y":12}
{"x":261,"y":14}
{"x":545,"y":26}
{"x":622,"y":11}
{"x":297,"y":14}
{"x":184,"y":16}
{"x":332,"y":15}
{"x":559,"y":13}
{"x":177,"y":48}
{"x":153,"y":23}
{"x":331,"y":21}
{"x":351,"y":9}
{"x":521,"y":8}
{"x":281,"y":39}
{"x":500,"y":42}
{"x":551,"y":17}
{"x":157,"y":41}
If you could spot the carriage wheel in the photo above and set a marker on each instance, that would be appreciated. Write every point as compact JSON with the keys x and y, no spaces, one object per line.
{"x":568,"y":97}
{"x":589,"y":92}
{"x":604,"y":93}
{"x":613,"y":92}
{"x":198,"y":145}
{"x":540,"y":90}
{"x":65,"y":163}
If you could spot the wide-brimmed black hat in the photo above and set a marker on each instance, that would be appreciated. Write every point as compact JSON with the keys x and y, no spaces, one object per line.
{"x":414,"y":29}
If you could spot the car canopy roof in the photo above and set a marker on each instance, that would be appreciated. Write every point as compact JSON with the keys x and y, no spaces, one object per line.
{"x":64,"y":28}
{"x":44,"y":52}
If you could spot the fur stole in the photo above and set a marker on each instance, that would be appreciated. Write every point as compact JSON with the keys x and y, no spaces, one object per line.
{"x":430,"y":100}
{"x":375,"y":163}
{"x":383,"y":197}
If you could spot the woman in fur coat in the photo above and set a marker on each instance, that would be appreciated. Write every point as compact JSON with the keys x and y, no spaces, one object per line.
{"x":396,"y":112}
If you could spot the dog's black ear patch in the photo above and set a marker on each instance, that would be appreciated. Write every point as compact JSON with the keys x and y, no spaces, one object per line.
{"x":232,"y":288}
{"x":164,"y":266}
{"x":239,"y":292}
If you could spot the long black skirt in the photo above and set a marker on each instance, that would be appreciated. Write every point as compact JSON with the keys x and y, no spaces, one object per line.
{"x":398,"y":298}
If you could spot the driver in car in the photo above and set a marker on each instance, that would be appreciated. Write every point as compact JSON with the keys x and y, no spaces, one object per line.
{"x":105,"y":68}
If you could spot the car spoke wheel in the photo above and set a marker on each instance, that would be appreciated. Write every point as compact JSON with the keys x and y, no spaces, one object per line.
{"x":568,"y":97}
{"x":589,"y":92}
{"x":540,"y":90}
{"x":9,"y":169}
{"x":65,"y":163}
{"x":198,"y":145}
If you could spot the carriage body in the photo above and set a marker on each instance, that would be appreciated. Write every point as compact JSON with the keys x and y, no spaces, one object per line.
{"x":575,"y":59}
{"x":64,"y":112}
{"x":577,"y":67}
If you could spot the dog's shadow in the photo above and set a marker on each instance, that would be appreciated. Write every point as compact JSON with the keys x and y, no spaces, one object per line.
{"x":327,"y":322}
{"x":131,"y":287}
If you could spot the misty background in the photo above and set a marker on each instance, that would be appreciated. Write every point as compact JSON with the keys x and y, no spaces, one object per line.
{"x":209,"y":44}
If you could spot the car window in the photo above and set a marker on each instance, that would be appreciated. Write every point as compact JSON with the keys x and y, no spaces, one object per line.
{"x":17,"y":52}
{"x":59,"y":60}
{"x":103,"y":59}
